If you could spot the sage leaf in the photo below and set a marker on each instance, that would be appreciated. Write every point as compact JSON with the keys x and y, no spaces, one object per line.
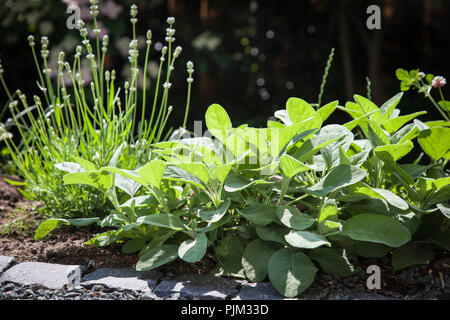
{"x":154,"y":258}
{"x":215,"y":214}
{"x":291,"y":273}
{"x":293,"y":218}
{"x":193,"y":250}
{"x":377,"y":228}
{"x":333,"y":261}
{"x":306,"y":239}
{"x":340,"y":176}
{"x":255,"y":260}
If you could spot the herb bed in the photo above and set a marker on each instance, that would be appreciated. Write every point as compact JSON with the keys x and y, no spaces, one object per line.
{"x":285,"y":202}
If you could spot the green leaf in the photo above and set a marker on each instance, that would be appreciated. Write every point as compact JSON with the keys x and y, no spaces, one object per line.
{"x":221,"y":172}
{"x":445,"y":105}
{"x":103,"y":239}
{"x":236,"y":182}
{"x":388,"y":107}
{"x":174,"y":173}
{"x":70,"y":167}
{"x":15,"y":183}
{"x":193,"y":250}
{"x":415,"y":170}
{"x":371,"y":249}
{"x":48,"y":226}
{"x":85,"y":164}
{"x":333,"y":261}
{"x":436,"y":142}
{"x":229,"y":254}
{"x":283,"y":116}
{"x":291,"y":167}
{"x":162,"y":220}
{"x":340,"y":176}
{"x":393,"y":152}
{"x":291,"y":273}
{"x":368,"y":106}
{"x":299,"y":110}
{"x":442,"y":239}
{"x":377,"y":228}
{"x":154,"y":258}
{"x":293,"y":218}
{"x":408,"y":132}
{"x":376,"y":134}
{"x":392,"y":125}
{"x":197,"y":169}
{"x":327,"y":110}
{"x":272,"y":232}
{"x":445,"y":209}
{"x":343,"y":158}
{"x":215,"y":214}
{"x":255,"y":260}
{"x":141,"y":201}
{"x":153,"y":172}
{"x":129,"y":174}
{"x":100,"y":179}
{"x":284,"y":139}
{"x":306,"y":239}
{"x":259,"y":214}
{"x":402,"y":74}
{"x":412,"y":254}
{"x":133,"y":245}
{"x":217,"y":121}
{"x":316,"y":143}
{"x":329,"y":211}
{"x":392,"y":198}
{"x":82,"y":222}
{"x":126,"y":184}
{"x":275,"y":124}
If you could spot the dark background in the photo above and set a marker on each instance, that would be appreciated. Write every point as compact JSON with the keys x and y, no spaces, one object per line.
{"x":234,"y":43}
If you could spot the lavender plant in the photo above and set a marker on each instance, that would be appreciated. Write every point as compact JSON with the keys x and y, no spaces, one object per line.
{"x":101,"y":121}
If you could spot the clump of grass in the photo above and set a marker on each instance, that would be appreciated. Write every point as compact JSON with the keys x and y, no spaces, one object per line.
{"x":97,"y":121}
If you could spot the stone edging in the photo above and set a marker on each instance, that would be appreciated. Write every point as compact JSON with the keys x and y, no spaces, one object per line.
{"x":189,"y":286}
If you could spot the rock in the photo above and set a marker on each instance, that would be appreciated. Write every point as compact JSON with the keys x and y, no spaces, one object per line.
{"x":368,"y":296}
{"x":258,"y":291}
{"x":197,"y":287}
{"x":97,"y":288}
{"x":122,"y":279}
{"x":5,"y":263}
{"x":52,"y":276}
{"x":8,"y":287}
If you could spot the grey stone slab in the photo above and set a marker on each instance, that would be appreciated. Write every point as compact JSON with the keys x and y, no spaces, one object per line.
{"x":52,"y":276}
{"x":6,"y":262}
{"x":197,"y":287}
{"x":258,"y":291}
{"x":122,"y":279}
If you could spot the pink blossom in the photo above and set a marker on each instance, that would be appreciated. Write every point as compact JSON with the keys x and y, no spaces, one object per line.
{"x":438,"y":82}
